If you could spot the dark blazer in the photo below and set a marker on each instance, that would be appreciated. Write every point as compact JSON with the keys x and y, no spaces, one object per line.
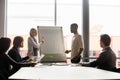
{"x":14,"y":54}
{"x":6,"y":61}
{"x":106,"y":60}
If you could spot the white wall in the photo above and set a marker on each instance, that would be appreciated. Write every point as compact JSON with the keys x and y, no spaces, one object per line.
{"x":2,"y":18}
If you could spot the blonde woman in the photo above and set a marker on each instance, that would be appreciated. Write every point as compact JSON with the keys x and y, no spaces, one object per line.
{"x":33,"y":45}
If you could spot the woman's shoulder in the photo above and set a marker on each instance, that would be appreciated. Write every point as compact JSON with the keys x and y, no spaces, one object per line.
{"x":30,"y":38}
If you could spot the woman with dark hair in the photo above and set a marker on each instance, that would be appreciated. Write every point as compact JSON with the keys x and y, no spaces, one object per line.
{"x":6,"y":61}
{"x":14,"y":52}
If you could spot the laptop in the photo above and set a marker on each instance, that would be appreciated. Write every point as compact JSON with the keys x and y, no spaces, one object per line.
{"x":53,"y":58}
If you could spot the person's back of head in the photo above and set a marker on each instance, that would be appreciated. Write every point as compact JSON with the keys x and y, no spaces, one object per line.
{"x":17,"y":41}
{"x":105,"y":38}
{"x":4,"y":44}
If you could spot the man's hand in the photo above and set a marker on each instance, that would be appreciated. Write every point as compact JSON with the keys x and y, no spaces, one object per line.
{"x":67,"y":51}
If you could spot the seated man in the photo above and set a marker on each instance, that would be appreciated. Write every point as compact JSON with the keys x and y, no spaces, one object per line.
{"x":107,"y":58}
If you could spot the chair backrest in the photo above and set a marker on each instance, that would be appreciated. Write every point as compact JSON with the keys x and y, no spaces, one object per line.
{"x":2,"y":77}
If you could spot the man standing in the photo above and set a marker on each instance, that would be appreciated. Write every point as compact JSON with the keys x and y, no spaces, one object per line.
{"x":77,"y":44}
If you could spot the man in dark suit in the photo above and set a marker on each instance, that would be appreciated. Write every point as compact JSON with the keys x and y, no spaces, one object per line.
{"x":107,"y":58}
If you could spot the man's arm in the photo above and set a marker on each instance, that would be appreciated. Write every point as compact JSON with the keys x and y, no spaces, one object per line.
{"x":80,"y":50}
{"x":67,"y":51}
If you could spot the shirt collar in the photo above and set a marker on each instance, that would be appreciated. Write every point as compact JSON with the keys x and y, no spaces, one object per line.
{"x":105,"y":48}
{"x":76,"y":34}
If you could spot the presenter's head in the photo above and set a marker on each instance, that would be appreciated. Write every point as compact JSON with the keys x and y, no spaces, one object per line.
{"x":74,"y":28}
{"x":33,"y":32}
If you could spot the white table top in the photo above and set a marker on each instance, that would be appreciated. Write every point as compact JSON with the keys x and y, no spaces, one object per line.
{"x":63,"y":72}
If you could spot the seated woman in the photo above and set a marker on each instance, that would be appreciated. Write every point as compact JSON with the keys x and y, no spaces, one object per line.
{"x":14,"y":52}
{"x":6,"y":61}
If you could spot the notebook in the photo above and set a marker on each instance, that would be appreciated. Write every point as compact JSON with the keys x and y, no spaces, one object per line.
{"x":53,"y":58}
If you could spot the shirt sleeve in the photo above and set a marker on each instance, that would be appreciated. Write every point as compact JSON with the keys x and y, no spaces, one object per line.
{"x":80,"y":41}
{"x":100,"y":61}
{"x":32,"y":42}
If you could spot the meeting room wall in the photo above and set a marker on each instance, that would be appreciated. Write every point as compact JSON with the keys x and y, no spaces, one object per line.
{"x":2,"y":18}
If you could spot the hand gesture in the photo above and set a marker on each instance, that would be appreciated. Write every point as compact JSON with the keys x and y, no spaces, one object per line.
{"x":30,"y":55}
{"x":42,"y":41}
{"x":33,"y":64}
{"x":67,"y":51}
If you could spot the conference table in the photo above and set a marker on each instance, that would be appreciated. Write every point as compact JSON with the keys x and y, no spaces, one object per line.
{"x":62,"y":72}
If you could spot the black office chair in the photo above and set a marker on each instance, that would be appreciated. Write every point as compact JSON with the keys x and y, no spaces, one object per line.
{"x":2,"y":77}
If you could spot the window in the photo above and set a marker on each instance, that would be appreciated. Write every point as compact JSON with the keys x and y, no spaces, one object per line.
{"x":104,"y":18}
{"x":25,"y":14}
{"x":69,"y":11}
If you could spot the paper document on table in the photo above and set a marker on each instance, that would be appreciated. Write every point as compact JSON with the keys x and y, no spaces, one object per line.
{"x":37,"y":59}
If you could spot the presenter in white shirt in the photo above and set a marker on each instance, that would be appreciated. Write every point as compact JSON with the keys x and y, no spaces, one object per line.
{"x":77,"y":45}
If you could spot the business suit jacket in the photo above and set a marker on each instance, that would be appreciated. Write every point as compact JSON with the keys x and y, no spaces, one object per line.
{"x":15,"y":55}
{"x":6,"y":61}
{"x":106,"y":60}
